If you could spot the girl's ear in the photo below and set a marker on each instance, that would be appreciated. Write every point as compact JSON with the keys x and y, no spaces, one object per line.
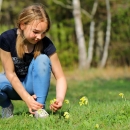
{"x":22,"y":26}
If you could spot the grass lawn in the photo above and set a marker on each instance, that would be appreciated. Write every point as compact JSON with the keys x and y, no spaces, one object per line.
{"x":106,"y":110}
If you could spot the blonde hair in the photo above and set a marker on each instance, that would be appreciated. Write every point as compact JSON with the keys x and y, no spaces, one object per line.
{"x":28,"y":14}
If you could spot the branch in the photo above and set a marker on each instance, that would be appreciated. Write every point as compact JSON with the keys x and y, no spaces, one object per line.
{"x":71,"y":7}
{"x":69,"y":2}
{"x":62,"y":4}
{"x":86,"y":13}
{"x":94,"y":9}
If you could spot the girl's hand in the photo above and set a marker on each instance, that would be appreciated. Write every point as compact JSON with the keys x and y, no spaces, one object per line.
{"x":32,"y":104}
{"x":56,"y":105}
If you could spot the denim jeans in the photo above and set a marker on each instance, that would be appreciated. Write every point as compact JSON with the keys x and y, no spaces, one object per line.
{"x":37,"y":81}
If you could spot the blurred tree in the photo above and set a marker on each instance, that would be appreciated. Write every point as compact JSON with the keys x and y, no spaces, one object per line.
{"x":92,"y":34}
{"x":108,"y":34}
{"x":79,"y":34}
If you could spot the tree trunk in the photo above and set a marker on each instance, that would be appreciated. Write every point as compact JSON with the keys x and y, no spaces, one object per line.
{"x":79,"y":34}
{"x":91,"y":43}
{"x":99,"y":45}
{"x":108,"y":32}
{"x":99,"y":42}
{"x":92,"y":32}
{"x":0,"y":8}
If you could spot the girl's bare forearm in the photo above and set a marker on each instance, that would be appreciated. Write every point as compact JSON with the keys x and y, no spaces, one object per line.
{"x":61,"y":88}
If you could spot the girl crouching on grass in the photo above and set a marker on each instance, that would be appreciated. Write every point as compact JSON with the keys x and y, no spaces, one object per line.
{"x":28,"y":56}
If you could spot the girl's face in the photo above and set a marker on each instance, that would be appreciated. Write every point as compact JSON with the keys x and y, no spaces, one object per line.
{"x":34,"y":31}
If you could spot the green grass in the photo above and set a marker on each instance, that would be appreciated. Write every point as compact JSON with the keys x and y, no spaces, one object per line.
{"x":105,"y":108}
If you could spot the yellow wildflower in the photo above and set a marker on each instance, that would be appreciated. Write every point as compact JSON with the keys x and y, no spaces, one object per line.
{"x":83,"y":101}
{"x":97,"y":126}
{"x":67,"y":101}
{"x":86,"y":102}
{"x":121,"y":94}
{"x":66,"y":115}
{"x":52,"y":101}
{"x":83,"y":98}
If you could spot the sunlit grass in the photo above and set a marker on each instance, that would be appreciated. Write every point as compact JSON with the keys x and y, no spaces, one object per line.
{"x":105,"y":108}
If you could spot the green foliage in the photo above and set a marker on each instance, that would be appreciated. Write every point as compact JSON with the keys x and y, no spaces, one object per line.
{"x":106,"y":110}
{"x":120,"y":25}
{"x":66,"y":49}
{"x":3,"y":28}
{"x":118,"y":57}
{"x":119,"y":50}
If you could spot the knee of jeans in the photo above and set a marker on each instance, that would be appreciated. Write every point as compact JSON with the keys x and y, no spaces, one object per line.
{"x":42,"y":57}
{"x":4,"y":87}
{"x":3,"y":97}
{"x":42,"y":64}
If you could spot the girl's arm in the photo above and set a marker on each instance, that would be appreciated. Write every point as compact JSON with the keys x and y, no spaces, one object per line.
{"x":61,"y":85}
{"x":15,"y":82}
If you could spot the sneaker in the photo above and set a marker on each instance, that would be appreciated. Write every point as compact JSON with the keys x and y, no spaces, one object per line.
{"x":41,"y":113}
{"x":8,"y":111}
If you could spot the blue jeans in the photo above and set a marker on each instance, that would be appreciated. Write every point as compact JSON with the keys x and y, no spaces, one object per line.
{"x":37,"y":81}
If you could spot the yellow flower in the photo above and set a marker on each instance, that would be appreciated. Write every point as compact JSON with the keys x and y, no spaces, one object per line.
{"x":66,"y":115}
{"x":121,"y":94}
{"x":86,"y":102}
{"x":97,"y":126}
{"x":83,"y":101}
{"x":83,"y":98}
{"x":52,"y":101}
{"x":67,"y":101}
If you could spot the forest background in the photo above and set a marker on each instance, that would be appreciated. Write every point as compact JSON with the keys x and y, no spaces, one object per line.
{"x":103,"y":31}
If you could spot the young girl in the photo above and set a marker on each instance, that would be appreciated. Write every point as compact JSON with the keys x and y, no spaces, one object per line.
{"x":28,"y":57}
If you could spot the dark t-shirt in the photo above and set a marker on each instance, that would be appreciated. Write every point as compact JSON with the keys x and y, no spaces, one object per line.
{"x":8,"y":43}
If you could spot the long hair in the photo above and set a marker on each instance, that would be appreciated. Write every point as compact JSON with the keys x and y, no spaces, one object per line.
{"x":28,"y":14}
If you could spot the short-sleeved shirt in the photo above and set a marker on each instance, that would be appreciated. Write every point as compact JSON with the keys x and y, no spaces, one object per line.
{"x":8,"y":43}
